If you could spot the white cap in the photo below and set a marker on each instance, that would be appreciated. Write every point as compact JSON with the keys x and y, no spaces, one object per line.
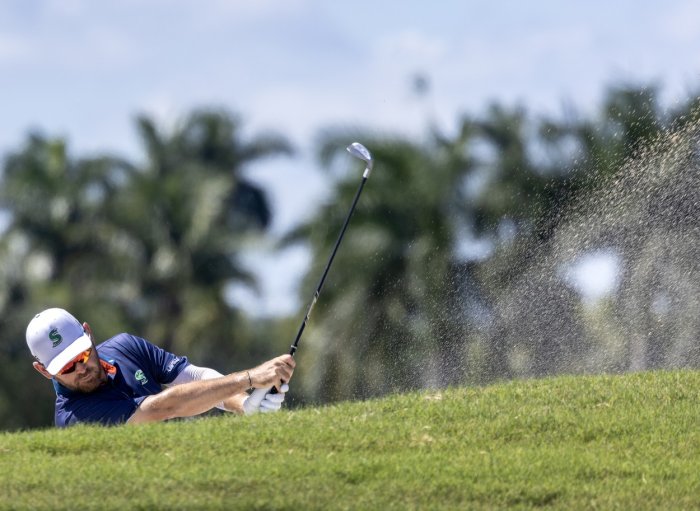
{"x":55,"y":338}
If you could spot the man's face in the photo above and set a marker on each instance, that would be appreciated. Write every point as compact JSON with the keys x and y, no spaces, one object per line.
{"x":86,"y":377}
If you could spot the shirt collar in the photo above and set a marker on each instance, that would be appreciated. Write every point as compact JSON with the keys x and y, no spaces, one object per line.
{"x":109,"y":367}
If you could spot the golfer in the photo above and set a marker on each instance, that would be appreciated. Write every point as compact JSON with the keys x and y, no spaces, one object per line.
{"x":122,"y":379}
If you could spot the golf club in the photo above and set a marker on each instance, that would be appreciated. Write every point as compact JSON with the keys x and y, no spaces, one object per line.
{"x":358,"y":151}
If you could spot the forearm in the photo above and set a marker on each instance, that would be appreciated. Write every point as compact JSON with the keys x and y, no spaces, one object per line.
{"x":196,"y":397}
{"x":191,"y":398}
{"x":195,"y":373}
{"x":234,"y":403}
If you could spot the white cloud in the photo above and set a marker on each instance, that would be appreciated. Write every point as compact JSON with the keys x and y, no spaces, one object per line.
{"x":258,"y":9}
{"x":161,"y":106}
{"x":65,"y":8}
{"x":681,"y":22}
{"x":108,"y":46}
{"x":411,"y":45}
{"x":84,"y":68}
{"x":240,"y":14}
{"x":14,"y":48}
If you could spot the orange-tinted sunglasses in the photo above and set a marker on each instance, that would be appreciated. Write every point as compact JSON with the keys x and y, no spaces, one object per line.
{"x":70,"y":366}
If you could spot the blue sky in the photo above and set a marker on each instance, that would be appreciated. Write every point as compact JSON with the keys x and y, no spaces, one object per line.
{"x":83,"y":68}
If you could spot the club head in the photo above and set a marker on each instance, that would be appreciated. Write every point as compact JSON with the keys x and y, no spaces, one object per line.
{"x":361,"y":152}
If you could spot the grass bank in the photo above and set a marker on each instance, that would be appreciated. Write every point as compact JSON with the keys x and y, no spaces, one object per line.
{"x":602,"y":442}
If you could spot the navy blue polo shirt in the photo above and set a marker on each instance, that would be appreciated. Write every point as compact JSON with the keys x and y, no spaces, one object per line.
{"x":141,"y":369}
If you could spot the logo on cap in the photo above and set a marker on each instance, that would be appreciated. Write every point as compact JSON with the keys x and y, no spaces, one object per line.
{"x":55,"y":337}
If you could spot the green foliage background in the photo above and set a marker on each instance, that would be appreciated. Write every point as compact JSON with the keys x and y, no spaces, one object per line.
{"x":151,"y":247}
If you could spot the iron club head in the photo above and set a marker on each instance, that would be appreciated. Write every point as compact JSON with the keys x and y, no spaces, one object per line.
{"x":361,"y":152}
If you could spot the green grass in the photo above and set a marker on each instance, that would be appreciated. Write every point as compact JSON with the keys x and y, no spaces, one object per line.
{"x":622,"y":442}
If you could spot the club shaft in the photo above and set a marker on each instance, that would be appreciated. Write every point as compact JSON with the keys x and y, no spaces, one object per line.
{"x":328,"y":267}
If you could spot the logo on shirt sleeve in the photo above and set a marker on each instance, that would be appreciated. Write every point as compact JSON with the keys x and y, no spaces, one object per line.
{"x":172,"y":364}
{"x":140,"y":377}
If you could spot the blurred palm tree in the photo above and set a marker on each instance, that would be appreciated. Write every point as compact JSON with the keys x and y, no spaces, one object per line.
{"x":639,"y":159}
{"x":597,"y":184}
{"x":186,"y":214}
{"x":540,"y":170}
{"x":505,"y":180}
{"x":386,"y":319}
{"x":149,"y":248}
{"x":55,"y":251}
{"x":58,"y":231}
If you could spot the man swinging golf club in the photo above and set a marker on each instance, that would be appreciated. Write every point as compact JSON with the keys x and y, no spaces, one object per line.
{"x":122,"y":379}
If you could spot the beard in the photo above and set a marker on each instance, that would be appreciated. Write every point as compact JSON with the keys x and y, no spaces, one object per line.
{"x":92,"y":378}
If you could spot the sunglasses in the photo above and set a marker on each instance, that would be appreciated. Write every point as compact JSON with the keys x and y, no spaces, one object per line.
{"x":70,"y":366}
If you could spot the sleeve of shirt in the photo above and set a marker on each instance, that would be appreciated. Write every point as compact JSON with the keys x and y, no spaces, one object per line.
{"x":162,"y":364}
{"x":194,"y":373}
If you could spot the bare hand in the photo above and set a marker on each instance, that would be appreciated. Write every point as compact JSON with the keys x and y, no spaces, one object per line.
{"x":273,"y":373}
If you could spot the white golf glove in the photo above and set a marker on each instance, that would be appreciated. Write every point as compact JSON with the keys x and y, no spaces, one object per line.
{"x":260,"y":400}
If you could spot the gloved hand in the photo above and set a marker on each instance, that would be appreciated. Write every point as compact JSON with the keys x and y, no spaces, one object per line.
{"x":260,"y":400}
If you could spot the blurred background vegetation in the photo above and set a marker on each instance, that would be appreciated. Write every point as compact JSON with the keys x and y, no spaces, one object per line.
{"x":444,"y":229}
